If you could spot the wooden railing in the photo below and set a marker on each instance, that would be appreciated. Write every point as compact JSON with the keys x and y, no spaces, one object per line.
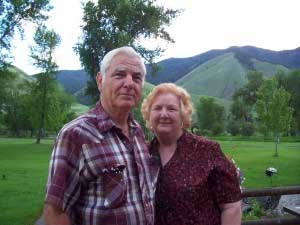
{"x":271,"y":192}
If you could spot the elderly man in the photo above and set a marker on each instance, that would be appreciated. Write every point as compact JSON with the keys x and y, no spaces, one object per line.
{"x":99,"y":171}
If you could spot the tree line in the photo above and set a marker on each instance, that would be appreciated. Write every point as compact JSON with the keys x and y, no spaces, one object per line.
{"x":263,"y":106}
{"x":42,"y":105}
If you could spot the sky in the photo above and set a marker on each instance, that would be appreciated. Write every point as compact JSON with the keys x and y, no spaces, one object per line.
{"x":203,"y":25}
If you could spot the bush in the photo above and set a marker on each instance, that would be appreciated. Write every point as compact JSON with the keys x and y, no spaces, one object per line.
{"x":233,"y":127}
{"x":247,"y":129}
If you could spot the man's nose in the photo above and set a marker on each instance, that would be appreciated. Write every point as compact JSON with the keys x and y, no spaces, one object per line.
{"x":128,"y":82}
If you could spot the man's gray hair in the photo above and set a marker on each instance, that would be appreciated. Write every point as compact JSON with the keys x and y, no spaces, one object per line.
{"x":105,"y":63}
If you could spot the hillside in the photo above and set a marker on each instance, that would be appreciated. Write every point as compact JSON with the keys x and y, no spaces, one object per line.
{"x":173,"y":69}
{"x":218,"y":77}
{"x":72,"y":80}
{"x":214,"y":73}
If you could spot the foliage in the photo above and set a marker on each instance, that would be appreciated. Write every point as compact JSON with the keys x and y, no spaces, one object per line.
{"x":42,"y":54}
{"x":248,"y":92}
{"x":234,"y":127}
{"x":111,"y":24}
{"x":255,"y":213}
{"x":13,"y":13}
{"x":291,"y":83}
{"x":136,"y":111}
{"x":272,"y":107}
{"x":247,"y":129}
{"x":210,"y":115}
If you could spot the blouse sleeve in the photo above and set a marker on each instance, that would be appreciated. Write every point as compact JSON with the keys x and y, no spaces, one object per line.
{"x":223,"y":178}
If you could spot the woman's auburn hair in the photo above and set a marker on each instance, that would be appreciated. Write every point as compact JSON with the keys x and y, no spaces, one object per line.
{"x":186,"y":106}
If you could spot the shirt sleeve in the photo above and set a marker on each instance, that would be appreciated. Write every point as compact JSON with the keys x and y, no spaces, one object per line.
{"x":63,"y":186}
{"x":223,"y":178}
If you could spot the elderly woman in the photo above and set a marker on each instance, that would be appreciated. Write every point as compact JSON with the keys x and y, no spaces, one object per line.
{"x":196,"y":183}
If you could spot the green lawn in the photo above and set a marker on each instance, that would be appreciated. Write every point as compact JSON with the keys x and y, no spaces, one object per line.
{"x":25,"y":166}
{"x":254,"y":158}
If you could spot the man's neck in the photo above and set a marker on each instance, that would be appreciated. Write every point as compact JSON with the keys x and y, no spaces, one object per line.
{"x":118,"y":116}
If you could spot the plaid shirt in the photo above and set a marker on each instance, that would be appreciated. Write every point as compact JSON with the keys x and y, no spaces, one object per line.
{"x":97,"y":175}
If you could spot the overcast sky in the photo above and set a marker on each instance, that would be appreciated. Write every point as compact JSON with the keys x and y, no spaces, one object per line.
{"x":202,"y":26}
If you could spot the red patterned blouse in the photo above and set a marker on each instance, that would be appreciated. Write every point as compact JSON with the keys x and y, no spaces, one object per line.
{"x":192,"y":185}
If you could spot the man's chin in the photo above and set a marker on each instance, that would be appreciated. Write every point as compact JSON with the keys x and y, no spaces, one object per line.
{"x":127,"y":105}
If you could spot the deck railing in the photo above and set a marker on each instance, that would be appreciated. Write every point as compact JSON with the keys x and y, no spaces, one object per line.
{"x":271,"y":192}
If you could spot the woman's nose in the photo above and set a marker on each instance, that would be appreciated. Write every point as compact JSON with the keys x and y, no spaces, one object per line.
{"x":164,"y":112}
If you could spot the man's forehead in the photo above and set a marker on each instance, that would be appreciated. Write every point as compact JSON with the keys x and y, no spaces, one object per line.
{"x":128,"y":67}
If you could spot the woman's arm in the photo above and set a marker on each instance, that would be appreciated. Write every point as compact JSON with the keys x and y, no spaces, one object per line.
{"x":231,"y":213}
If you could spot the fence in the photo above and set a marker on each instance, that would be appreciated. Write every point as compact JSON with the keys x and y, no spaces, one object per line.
{"x":272,"y":192}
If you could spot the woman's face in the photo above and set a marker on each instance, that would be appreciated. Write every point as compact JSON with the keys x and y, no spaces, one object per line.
{"x":165,"y":114}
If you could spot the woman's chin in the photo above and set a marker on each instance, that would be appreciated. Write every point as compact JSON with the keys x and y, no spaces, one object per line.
{"x":164,"y":131}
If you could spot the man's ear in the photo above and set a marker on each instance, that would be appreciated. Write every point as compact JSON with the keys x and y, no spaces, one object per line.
{"x":99,"y":80}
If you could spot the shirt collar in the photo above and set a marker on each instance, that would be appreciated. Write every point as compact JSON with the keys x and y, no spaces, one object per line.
{"x":105,"y":123}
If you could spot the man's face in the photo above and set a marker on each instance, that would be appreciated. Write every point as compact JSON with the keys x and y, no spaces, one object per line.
{"x":122,"y":87}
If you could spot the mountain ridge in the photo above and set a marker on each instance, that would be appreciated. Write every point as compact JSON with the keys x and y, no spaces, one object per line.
{"x":231,"y":75}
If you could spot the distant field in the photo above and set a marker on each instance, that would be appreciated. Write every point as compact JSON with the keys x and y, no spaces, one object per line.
{"x":25,"y":166}
{"x":79,"y":108}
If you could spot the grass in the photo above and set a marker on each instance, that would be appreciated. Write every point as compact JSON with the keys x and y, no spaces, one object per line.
{"x":25,"y":166}
{"x":254,"y":158}
{"x":79,"y":108}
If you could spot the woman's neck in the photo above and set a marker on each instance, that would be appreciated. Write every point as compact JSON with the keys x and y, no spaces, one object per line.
{"x":170,"y":139}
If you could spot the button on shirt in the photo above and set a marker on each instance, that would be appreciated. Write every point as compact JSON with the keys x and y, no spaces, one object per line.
{"x":99,"y":176}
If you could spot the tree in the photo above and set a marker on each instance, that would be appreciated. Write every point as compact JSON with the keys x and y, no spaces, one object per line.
{"x":248,"y":92}
{"x":291,"y":83}
{"x":12,"y":15}
{"x":42,"y":54}
{"x":111,"y":24}
{"x":273,"y":111}
{"x":14,"y":106}
{"x":210,"y":115}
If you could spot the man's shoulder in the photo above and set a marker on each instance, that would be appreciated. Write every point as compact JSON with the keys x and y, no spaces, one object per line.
{"x":86,"y":118}
{"x":81,"y":125}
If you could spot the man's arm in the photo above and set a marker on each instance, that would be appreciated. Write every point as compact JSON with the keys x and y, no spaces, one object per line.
{"x":231,"y":213}
{"x":55,"y":216}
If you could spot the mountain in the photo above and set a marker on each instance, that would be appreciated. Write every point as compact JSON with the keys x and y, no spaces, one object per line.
{"x":218,"y":77}
{"x":173,"y":69}
{"x":21,"y":75}
{"x":216,"y":73}
{"x":72,"y":80}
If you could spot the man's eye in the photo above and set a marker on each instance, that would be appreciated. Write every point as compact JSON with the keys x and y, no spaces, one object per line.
{"x":137,"y":78}
{"x":118,"y":74}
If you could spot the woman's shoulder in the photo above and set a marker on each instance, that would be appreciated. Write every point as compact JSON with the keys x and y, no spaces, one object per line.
{"x":200,"y":140}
